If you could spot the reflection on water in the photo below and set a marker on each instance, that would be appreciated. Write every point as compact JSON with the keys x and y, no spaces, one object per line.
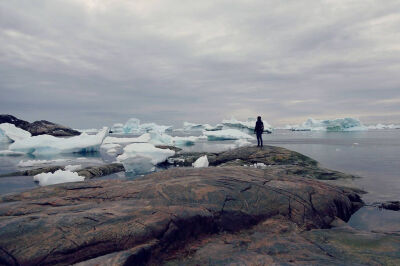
{"x":374,"y":219}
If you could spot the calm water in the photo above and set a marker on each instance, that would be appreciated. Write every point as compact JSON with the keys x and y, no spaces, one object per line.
{"x":373,"y":155}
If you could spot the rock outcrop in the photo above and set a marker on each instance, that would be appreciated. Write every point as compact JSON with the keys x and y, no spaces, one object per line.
{"x":88,"y":172}
{"x":40,"y":127}
{"x":277,"y":159}
{"x":157,"y":218}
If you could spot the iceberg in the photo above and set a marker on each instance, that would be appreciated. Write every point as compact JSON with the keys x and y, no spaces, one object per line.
{"x":57,"y":177}
{"x":187,"y":126}
{"x":226,"y":134}
{"x":117,"y":128}
{"x":164,"y":139}
{"x":10,"y":133}
{"x":201,"y":162}
{"x":242,"y":143}
{"x":73,"y":167}
{"x":89,"y":130}
{"x":382,"y":126}
{"x":141,"y":158}
{"x":248,"y":125}
{"x":46,"y":144}
{"x":339,"y":124}
{"x":133,"y":126}
{"x":143,"y":138}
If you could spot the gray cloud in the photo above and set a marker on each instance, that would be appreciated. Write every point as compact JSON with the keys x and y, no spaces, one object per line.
{"x":88,"y":63}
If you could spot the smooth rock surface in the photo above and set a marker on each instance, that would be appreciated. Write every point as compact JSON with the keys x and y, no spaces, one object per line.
{"x":154,"y":219}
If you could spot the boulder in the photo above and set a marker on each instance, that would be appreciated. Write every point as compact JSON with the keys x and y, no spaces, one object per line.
{"x":154,"y":219}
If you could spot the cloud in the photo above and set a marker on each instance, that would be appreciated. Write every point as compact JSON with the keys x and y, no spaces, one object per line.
{"x":88,"y":63}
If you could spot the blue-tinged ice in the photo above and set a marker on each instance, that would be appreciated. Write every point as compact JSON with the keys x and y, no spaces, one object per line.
{"x":227,"y":134}
{"x":10,"y":133}
{"x":339,"y":124}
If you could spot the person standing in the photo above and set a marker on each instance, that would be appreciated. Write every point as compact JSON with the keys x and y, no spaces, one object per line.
{"x":258,"y":130}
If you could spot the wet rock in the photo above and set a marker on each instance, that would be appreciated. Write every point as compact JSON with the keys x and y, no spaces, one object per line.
{"x":154,"y":219}
{"x":101,"y":170}
{"x":172,"y":148}
{"x":88,"y":172}
{"x":390,"y":205}
{"x":40,"y":127}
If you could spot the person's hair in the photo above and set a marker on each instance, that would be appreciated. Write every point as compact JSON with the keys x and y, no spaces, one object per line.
{"x":259,"y":118}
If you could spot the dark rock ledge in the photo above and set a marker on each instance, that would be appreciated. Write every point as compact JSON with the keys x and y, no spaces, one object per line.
{"x":151,"y":219}
{"x":40,"y":127}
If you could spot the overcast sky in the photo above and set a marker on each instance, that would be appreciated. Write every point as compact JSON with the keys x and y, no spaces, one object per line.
{"x":88,"y":63}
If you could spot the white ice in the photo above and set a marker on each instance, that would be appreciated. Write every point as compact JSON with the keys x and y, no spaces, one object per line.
{"x":30,"y":163}
{"x":242,"y":143}
{"x":142,"y":157}
{"x":133,"y":126}
{"x":57,"y":177}
{"x":10,"y":133}
{"x":339,"y":124}
{"x":201,"y":162}
{"x":89,"y":130}
{"x":143,"y":138}
{"x":73,"y":168}
{"x":248,"y":125}
{"x":382,"y":126}
{"x":46,"y":144}
{"x":165,"y":139}
{"x":226,"y":134}
{"x":187,"y":126}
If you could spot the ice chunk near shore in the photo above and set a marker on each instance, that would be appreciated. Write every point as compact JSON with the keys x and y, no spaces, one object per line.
{"x":187,"y":126}
{"x":46,"y":144}
{"x":226,"y":134}
{"x":133,"y":126}
{"x":201,"y":162}
{"x":10,"y":133}
{"x":73,"y":167}
{"x":57,"y":177}
{"x":340,"y":124}
{"x":141,"y":158}
{"x":165,"y":139}
{"x":248,"y":125}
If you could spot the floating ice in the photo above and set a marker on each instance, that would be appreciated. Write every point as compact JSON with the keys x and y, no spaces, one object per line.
{"x":117,"y":128}
{"x":165,"y":139}
{"x":187,"y":126}
{"x":226,"y":134}
{"x":340,"y":124}
{"x":248,"y":125}
{"x":11,"y":153}
{"x":57,"y":177}
{"x":10,"y":133}
{"x":30,"y":163}
{"x":242,"y":143}
{"x":142,"y":157}
{"x":143,"y":138}
{"x":133,"y":126}
{"x":382,"y":126}
{"x":89,"y":130}
{"x":73,"y":168}
{"x":46,"y":144}
{"x":201,"y":162}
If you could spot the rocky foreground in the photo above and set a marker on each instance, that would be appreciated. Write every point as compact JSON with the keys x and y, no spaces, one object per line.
{"x":184,"y":216}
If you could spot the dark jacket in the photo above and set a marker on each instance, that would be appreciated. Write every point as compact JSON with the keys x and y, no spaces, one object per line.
{"x":259,"y":127}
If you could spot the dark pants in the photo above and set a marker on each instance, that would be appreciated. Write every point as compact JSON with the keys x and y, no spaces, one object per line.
{"x":259,"y":139}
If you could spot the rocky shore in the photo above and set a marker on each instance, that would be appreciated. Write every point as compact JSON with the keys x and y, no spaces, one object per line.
{"x":229,"y":213}
{"x":40,"y":127}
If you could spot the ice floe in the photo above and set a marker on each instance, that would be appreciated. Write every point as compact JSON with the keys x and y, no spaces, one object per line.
{"x":46,"y":144}
{"x":57,"y":177}
{"x":133,"y":126}
{"x":382,"y":126}
{"x":142,"y":138}
{"x":340,"y":124}
{"x":10,"y":133}
{"x":227,"y":134}
{"x":73,"y":167}
{"x":141,"y":158}
{"x":248,"y":125}
{"x":201,"y":162}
